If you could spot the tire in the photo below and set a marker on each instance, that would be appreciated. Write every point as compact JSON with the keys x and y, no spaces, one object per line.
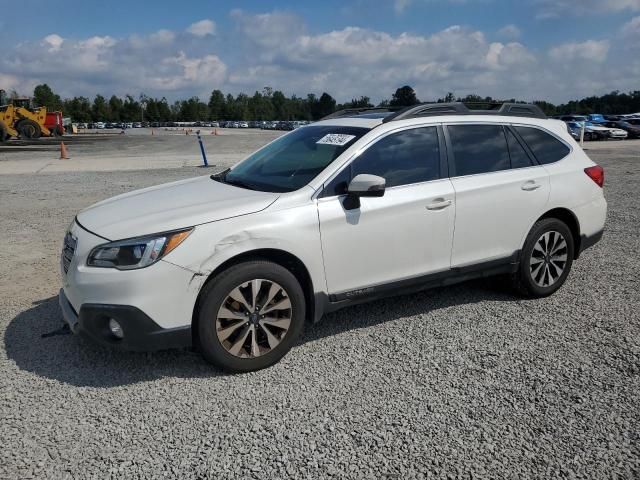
{"x":541,"y":259}
{"x":228,"y":326}
{"x":56,"y":131}
{"x":4,"y":136}
{"x":29,"y":129}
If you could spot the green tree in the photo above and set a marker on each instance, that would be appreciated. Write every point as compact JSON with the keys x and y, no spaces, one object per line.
{"x":115,"y":109}
{"x":43,"y":96}
{"x":404,"y":97}
{"x":326,"y":105}
{"x":280,"y":106}
{"x":99,"y":109}
{"x":217,"y":105}
{"x":78,"y":108}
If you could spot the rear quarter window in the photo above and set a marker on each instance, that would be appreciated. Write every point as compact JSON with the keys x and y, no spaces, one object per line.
{"x":546,"y":148}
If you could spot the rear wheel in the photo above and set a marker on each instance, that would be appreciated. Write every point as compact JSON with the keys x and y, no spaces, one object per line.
{"x":29,"y":129}
{"x":546,"y":259}
{"x":250,"y":316}
{"x":4,"y":136}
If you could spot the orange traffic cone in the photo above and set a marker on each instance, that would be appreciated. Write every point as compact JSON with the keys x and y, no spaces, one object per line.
{"x":63,"y":152}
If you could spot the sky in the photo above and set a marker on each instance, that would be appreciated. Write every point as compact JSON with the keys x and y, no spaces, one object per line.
{"x":555,"y":50}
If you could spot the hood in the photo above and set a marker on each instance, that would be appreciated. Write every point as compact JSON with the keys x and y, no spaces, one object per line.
{"x":171,"y":206}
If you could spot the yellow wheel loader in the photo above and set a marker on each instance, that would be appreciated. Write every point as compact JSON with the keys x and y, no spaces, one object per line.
{"x":7,"y":119}
{"x":29,"y":122}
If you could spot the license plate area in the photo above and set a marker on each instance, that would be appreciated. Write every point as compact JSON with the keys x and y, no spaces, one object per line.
{"x":68,"y":251}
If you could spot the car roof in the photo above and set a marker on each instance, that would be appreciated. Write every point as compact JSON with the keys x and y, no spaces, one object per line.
{"x":362,"y":121}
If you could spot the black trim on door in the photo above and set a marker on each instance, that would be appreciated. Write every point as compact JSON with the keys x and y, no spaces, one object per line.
{"x":424,"y":282}
{"x":442,"y":146}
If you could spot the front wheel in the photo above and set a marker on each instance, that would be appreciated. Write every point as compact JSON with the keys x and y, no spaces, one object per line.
{"x":545,"y":260}
{"x":29,"y":129}
{"x":250,"y":316}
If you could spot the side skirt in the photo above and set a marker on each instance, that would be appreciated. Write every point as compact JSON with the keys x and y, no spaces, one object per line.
{"x":492,"y":268}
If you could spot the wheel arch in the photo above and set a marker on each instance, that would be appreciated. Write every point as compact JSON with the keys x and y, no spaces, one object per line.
{"x":280,"y":257}
{"x":569,"y":218}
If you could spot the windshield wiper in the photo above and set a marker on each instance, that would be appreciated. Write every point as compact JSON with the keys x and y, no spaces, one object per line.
{"x":219,"y":177}
{"x":222,"y":178}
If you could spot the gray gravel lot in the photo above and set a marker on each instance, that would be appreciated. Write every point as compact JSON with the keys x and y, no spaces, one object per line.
{"x":463,"y":382}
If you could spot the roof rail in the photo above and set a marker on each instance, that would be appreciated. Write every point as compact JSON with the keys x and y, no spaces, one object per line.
{"x":459,"y":108}
{"x":352,"y":112}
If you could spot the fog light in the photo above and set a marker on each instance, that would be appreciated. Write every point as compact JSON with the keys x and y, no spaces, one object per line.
{"x":116,"y":329}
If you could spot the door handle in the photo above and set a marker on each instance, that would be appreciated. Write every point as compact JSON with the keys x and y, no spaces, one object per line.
{"x":439,"y":204}
{"x":530,"y":186}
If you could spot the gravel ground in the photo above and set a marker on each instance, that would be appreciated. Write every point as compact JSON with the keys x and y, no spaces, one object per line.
{"x":463,"y":382}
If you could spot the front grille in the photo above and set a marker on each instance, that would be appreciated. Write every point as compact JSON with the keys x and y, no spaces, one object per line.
{"x":68,"y":250}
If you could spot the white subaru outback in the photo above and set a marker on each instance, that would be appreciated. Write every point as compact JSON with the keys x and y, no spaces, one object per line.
{"x":360,"y":205}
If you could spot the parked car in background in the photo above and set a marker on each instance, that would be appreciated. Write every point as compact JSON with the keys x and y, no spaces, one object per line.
{"x":596,"y":118}
{"x":574,"y":128}
{"x":614,"y":133}
{"x":633,"y":131}
{"x":595,"y":132}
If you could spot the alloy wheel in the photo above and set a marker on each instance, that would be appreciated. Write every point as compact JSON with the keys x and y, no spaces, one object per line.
{"x":254,"y":318}
{"x":548,"y":259}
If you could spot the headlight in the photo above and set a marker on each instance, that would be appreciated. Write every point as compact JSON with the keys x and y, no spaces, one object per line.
{"x":136,"y":252}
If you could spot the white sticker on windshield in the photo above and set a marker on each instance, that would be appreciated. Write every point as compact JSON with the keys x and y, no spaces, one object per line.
{"x":339,"y":139}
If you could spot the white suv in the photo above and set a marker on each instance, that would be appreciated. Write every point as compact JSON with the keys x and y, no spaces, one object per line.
{"x":361,"y":205}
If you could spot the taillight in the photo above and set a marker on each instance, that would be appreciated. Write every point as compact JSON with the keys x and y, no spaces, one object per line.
{"x":596,"y":173}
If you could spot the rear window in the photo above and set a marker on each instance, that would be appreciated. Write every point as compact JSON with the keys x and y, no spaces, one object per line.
{"x":545,"y":147}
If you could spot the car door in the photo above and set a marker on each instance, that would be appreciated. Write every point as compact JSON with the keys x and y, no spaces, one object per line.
{"x":500,"y":191}
{"x":404,"y":234}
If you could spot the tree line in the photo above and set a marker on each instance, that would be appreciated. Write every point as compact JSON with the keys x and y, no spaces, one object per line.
{"x":270,"y":104}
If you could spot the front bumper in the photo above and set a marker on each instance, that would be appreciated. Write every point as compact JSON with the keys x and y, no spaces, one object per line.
{"x":141,"y":333}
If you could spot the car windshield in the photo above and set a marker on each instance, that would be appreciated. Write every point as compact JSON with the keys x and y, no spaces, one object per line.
{"x":293,"y":160}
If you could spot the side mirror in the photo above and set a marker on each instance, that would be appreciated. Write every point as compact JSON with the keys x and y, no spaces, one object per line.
{"x":364,"y":185}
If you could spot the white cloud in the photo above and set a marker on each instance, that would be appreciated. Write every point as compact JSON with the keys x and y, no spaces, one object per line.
{"x":154,"y":64}
{"x":401,"y":5}
{"x":591,"y":50}
{"x":202,"y":28}
{"x":53,"y":41}
{"x":277,"y":49}
{"x":510,"y":31}
{"x":557,"y":8}
{"x":631,"y":29}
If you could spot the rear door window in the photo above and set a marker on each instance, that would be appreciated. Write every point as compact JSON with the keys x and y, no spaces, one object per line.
{"x":479,"y":149}
{"x":546,"y":148}
{"x":519,"y":156}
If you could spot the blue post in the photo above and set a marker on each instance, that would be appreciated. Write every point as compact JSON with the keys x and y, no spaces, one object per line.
{"x":204,"y":155}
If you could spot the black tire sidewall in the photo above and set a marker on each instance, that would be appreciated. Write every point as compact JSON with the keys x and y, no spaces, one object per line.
{"x":214,"y":294}
{"x":24,"y":124}
{"x":540,"y":228}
